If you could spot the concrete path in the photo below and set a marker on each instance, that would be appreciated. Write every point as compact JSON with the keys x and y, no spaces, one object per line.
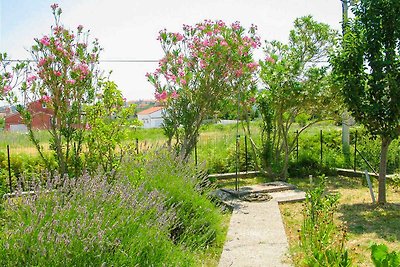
{"x":256,"y":235}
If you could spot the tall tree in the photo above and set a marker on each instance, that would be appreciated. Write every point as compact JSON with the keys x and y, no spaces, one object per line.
{"x":368,"y":69}
{"x":205,"y":66}
{"x":297,"y":84}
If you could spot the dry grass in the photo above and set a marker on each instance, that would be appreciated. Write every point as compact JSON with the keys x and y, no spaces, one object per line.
{"x":365,"y":222}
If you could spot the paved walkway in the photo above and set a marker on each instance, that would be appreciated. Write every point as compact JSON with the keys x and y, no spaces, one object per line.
{"x":256,"y":235}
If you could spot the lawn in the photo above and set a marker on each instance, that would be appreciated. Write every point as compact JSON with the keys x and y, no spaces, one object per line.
{"x":365,"y":222}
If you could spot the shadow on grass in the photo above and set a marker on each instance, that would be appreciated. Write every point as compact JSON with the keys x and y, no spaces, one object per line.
{"x":368,"y":218}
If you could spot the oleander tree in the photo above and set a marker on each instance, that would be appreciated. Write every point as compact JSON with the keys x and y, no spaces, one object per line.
{"x":205,"y":66}
{"x":367,"y":66}
{"x":63,"y":75}
{"x":297,"y":88}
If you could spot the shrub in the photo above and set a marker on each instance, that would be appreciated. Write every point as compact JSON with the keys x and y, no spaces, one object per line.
{"x":90,"y":222}
{"x":197,"y":223}
{"x":321,"y":239}
{"x":382,"y":258}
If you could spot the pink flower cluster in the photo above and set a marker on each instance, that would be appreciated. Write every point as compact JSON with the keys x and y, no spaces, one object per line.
{"x":252,"y":65}
{"x":236,"y":25}
{"x":45,"y":40}
{"x":270,"y":59}
{"x":82,"y":69}
{"x":46,"y":98}
{"x":178,"y":36}
{"x":54,"y":6}
{"x":6,"y":89}
{"x":161,"y":96}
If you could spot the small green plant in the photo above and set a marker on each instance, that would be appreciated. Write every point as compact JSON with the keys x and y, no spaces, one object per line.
{"x":321,"y":238}
{"x":382,"y":258}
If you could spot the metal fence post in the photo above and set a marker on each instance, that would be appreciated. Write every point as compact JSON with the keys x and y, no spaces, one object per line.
{"x":321,"y":145}
{"x":355,"y":152}
{"x":297,"y":146}
{"x":195,"y":153}
{"x":9,"y":167}
{"x":245,"y":147}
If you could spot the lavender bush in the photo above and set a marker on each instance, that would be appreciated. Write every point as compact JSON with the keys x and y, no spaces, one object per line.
{"x":90,"y":222}
{"x":197,"y":224}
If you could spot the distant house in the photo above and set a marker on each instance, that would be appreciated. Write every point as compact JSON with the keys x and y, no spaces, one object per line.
{"x":151,"y":117}
{"x":41,"y":116}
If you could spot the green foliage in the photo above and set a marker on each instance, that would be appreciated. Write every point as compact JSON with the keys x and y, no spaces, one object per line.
{"x":155,"y":214}
{"x":197,"y":223}
{"x":90,"y":222}
{"x":321,"y":239}
{"x":297,"y":87}
{"x":382,"y":258}
{"x":107,"y":124}
{"x":205,"y":68}
{"x":367,"y":68}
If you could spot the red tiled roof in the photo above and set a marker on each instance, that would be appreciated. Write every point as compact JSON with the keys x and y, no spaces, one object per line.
{"x":150,"y":110}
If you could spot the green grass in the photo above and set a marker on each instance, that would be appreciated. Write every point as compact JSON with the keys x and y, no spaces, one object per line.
{"x":365,"y":222}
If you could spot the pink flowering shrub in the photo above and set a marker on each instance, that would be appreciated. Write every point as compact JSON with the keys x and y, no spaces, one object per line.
{"x":63,"y":74}
{"x":207,"y":65}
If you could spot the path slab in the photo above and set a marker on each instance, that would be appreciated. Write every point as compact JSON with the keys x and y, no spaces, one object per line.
{"x":256,"y":236}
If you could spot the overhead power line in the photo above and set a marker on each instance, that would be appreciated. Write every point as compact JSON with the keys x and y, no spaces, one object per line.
{"x":102,"y":60}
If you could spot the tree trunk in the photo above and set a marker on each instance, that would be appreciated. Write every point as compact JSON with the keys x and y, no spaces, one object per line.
{"x":382,"y":169}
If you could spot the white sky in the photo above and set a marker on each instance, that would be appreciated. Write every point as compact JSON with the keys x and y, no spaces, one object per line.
{"x":127,"y":29}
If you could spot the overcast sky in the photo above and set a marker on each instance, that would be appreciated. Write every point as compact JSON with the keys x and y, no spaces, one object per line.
{"x":127,"y":29}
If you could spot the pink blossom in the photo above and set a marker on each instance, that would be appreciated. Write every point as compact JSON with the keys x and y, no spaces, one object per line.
{"x":183,"y":82}
{"x":252,"y":65}
{"x":252,"y":99}
{"x":174,"y":95}
{"x":54,"y":6}
{"x":42,"y":61}
{"x":46,"y":98}
{"x":45,"y":41}
{"x":161,"y":96}
{"x":58,"y":29}
{"x":239,"y":73}
{"x":209,"y":33}
{"x":236,"y":25}
{"x":83,"y":68}
{"x":6,"y":89}
{"x":224,"y":43}
{"x":201,"y":27}
{"x":181,"y":74}
{"x":203,"y":64}
{"x":270,"y":59}
{"x":148,"y":75}
{"x":88,"y":127}
{"x":70,"y":81}
{"x":124,"y":99}
{"x":178,"y":36}
{"x":31,"y":78}
{"x":221,"y":23}
{"x":57,"y":73}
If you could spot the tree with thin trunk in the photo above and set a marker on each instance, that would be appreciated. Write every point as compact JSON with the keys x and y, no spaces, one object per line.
{"x":367,"y":66}
{"x":203,"y":68}
{"x":297,"y":84}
